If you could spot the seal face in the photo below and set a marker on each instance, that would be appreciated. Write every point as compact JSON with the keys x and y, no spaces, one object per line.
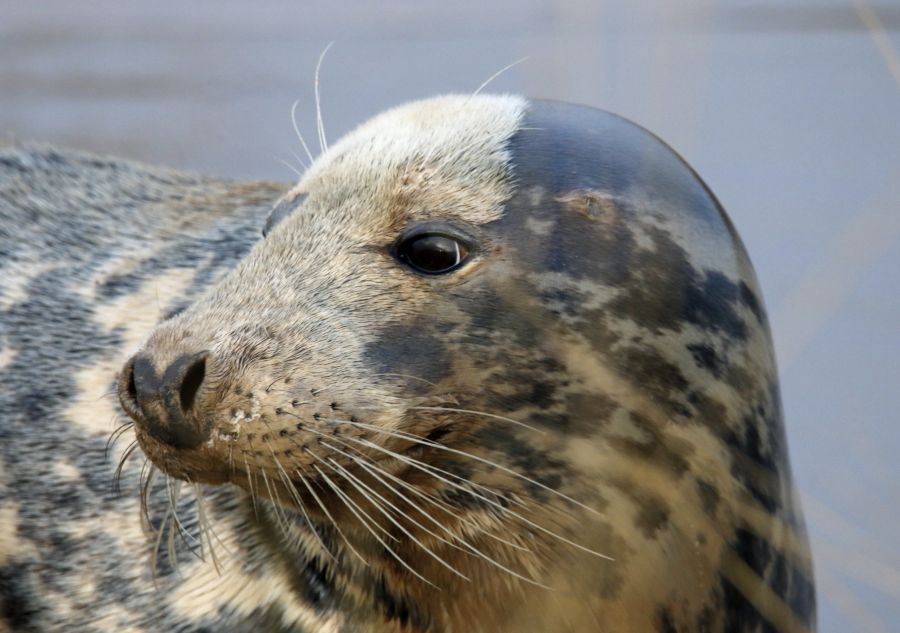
{"x":496,"y":365}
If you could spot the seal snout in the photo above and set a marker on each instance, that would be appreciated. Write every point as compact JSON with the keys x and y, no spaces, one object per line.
{"x":165,"y":405}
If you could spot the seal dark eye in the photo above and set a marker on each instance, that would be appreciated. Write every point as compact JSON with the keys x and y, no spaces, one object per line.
{"x":433,"y":253}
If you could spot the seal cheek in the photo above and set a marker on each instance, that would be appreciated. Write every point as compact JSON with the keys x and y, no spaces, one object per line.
{"x":410,"y":350}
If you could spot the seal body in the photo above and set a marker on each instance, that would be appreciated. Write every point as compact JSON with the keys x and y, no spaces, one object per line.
{"x":497,"y":365}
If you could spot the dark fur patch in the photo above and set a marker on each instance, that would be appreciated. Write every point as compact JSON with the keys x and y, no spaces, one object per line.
{"x":410,"y":349}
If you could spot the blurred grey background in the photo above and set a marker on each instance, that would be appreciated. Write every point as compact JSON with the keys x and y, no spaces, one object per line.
{"x":789,"y":109}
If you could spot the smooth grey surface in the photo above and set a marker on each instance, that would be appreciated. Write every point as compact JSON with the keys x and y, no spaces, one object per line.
{"x":788,"y":110}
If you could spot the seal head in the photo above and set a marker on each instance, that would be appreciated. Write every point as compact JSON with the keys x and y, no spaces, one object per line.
{"x":509,"y":349}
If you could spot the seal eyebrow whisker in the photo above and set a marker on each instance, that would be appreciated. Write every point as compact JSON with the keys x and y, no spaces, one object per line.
{"x":497,"y":74}
{"x":299,"y":160}
{"x":323,"y":143}
{"x":483,"y":414}
{"x":297,"y":131}
{"x":387,"y":547}
{"x":289,"y":166}
{"x":359,"y":485}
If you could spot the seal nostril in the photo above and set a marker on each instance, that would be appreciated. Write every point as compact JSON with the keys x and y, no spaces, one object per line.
{"x":127,"y":390}
{"x":190,"y":386}
{"x":132,"y":389}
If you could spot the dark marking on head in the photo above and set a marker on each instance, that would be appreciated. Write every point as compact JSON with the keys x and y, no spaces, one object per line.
{"x":411,"y":350}
{"x":705,"y":356}
{"x":665,"y":621}
{"x":587,"y":412}
{"x":523,"y":456}
{"x":785,"y":580}
{"x":749,"y":299}
{"x":709,"y":496}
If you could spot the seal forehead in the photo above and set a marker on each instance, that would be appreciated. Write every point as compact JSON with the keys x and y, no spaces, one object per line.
{"x":416,"y":147}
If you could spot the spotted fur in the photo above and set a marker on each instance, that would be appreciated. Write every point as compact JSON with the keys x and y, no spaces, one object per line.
{"x":579,"y":430}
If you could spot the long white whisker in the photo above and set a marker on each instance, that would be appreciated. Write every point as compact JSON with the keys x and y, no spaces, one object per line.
{"x":299,"y":160}
{"x":323,"y":143}
{"x":297,"y":131}
{"x":481,"y":413}
{"x":426,"y":442}
{"x":379,"y":473}
{"x":250,"y":483}
{"x":206,"y":527}
{"x":409,"y":437}
{"x":289,"y":166}
{"x":154,"y":558}
{"x":434,"y":471}
{"x":330,"y":518}
{"x":173,"y":487}
{"x":366,"y":514}
{"x":492,"y":502}
{"x":429,"y":466}
{"x":497,"y":74}
{"x":466,"y":546}
{"x":349,"y":503}
{"x":293,"y":492}
{"x":359,"y":485}
{"x":280,"y":518}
